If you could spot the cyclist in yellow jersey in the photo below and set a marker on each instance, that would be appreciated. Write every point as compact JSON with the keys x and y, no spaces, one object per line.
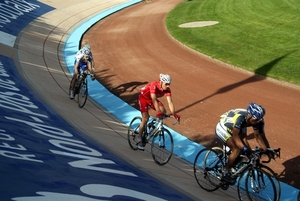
{"x":232,"y":131}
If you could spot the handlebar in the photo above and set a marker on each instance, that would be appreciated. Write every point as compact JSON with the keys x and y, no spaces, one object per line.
{"x":270,"y":152}
{"x":164,"y":116}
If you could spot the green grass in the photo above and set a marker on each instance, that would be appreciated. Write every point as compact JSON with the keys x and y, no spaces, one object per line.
{"x":262,"y":36}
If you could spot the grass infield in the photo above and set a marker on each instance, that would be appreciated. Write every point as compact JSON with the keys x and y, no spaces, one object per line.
{"x":262,"y":36}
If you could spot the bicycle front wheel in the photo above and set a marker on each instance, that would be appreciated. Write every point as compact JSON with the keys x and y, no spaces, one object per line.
{"x":208,"y":169}
{"x":82,"y":94}
{"x":133,"y":132}
{"x":275,"y":179}
{"x":162,"y":147}
{"x":256,"y":185}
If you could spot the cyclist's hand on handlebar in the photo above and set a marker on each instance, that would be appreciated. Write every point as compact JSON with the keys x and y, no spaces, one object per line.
{"x":177,"y":117}
{"x":159,"y":114}
{"x":246,"y":151}
{"x":272,"y":153}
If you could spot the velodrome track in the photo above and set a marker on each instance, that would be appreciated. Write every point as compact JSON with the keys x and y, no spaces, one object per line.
{"x":39,"y":53}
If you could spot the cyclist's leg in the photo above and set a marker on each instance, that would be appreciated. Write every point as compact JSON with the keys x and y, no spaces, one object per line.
{"x":76,"y":72}
{"x":73,"y":81}
{"x":226,"y":139}
{"x":143,"y":103}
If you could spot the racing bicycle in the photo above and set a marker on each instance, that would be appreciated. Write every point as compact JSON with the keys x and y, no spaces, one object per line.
{"x":81,"y":88}
{"x":255,"y":180}
{"x":156,"y":134}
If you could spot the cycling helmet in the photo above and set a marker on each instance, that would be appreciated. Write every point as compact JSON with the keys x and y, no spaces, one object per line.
{"x":87,"y":47}
{"x":165,"y":78}
{"x":86,"y":50}
{"x":257,"y":111}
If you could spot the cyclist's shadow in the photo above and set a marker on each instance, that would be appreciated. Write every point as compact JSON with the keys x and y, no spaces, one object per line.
{"x":128,"y":87}
{"x":290,"y":174}
{"x":132,"y":89}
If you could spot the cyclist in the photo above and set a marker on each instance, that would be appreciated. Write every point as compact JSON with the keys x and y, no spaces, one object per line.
{"x":82,"y":63}
{"x":232,"y":131}
{"x":148,"y":99}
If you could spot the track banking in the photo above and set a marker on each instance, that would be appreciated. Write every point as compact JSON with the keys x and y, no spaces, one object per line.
{"x":12,"y":100}
{"x":44,"y":158}
{"x":15,"y":15}
{"x":11,"y":10}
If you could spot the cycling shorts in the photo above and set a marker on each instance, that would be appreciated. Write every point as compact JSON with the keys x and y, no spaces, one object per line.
{"x":145,"y":103}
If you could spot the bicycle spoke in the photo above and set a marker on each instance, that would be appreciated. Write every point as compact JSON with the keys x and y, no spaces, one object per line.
{"x":260,"y":186}
{"x":133,"y":131}
{"x":208,"y":169}
{"x":82,"y":94}
{"x":162,"y":147}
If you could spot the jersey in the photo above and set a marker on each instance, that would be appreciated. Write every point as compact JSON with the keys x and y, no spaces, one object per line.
{"x":80,"y":54}
{"x":154,"y":88}
{"x":237,"y":118}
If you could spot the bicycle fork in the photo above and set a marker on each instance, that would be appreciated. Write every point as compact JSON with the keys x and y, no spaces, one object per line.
{"x":257,"y":181}
{"x":161,"y":139}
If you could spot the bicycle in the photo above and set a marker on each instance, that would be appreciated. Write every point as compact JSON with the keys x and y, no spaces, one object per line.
{"x":80,"y":89}
{"x":254,"y":180}
{"x":161,"y":140}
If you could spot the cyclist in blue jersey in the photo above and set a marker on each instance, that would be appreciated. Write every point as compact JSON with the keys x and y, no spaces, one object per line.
{"x":232,"y":131}
{"x":83,"y":62}
{"x":86,"y":50}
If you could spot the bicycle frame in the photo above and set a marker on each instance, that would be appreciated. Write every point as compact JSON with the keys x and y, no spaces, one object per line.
{"x":160,"y":138}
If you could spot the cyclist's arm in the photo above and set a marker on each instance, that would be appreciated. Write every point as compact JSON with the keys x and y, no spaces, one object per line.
{"x":171,"y":105}
{"x":89,"y":64}
{"x":236,"y":138}
{"x":155,"y":103}
{"x":261,"y":140}
{"x":92,"y":60}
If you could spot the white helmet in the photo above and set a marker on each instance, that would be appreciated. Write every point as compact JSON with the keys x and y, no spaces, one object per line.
{"x":87,"y":47}
{"x":165,"y":78}
{"x":86,"y":50}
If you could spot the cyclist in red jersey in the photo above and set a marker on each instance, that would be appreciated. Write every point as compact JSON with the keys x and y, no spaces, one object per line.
{"x":148,"y":99}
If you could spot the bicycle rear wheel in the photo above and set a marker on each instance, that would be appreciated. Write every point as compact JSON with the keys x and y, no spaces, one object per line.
{"x":82,"y":93}
{"x":208,"y":169}
{"x":162,"y":147}
{"x":257,"y":185}
{"x":133,"y":132}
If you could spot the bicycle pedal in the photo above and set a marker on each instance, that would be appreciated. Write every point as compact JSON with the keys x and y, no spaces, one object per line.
{"x":224,"y":186}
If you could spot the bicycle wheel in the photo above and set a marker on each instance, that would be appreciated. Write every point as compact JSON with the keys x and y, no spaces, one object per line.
{"x":70,"y":87}
{"x":133,"y":131}
{"x":82,"y":93}
{"x":256,"y":185}
{"x":274,"y":176}
{"x":162,"y":147}
{"x":208,"y":168}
